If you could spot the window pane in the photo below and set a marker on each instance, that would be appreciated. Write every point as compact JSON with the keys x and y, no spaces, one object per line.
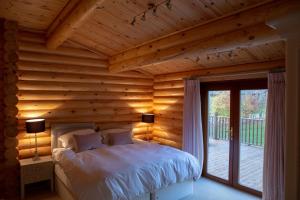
{"x":252,"y":134}
{"x":218,"y":133}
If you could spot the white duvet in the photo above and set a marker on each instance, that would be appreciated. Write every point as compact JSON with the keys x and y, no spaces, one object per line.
{"x":126,"y":171}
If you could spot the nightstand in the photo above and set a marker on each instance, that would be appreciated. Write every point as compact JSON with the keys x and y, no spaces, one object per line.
{"x":35,"y":171}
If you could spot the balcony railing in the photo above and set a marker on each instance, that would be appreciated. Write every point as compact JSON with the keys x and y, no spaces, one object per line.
{"x":252,"y":130}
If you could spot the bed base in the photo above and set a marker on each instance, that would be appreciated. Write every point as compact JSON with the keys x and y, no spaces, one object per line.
{"x":175,"y":192}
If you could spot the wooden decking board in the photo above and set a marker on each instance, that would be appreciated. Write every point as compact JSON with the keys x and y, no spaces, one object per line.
{"x":251,"y":167}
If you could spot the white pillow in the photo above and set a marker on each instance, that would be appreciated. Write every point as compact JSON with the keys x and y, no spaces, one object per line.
{"x":105,"y":133}
{"x":67,"y":140}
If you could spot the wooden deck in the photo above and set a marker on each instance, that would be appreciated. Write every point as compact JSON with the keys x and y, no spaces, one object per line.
{"x":251,"y":163}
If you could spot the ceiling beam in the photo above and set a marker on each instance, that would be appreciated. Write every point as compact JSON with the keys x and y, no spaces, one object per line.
{"x":243,"y":38}
{"x":72,"y":21}
{"x":204,"y":31}
{"x":233,"y":69}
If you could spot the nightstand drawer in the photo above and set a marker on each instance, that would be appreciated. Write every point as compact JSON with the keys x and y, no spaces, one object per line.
{"x":37,"y":172}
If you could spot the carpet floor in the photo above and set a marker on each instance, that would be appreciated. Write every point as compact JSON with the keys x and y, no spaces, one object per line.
{"x":204,"y":189}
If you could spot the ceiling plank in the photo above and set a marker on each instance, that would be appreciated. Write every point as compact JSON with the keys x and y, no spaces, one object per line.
{"x":247,"y":37}
{"x":71,"y":22}
{"x":232,"y":22}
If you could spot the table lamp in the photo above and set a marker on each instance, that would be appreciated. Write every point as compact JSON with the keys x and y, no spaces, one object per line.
{"x":35,"y":126}
{"x":148,"y":118}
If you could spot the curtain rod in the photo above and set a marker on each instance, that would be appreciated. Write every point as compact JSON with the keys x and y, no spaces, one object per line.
{"x":195,"y":77}
{"x":277,"y":70}
{"x":243,"y":74}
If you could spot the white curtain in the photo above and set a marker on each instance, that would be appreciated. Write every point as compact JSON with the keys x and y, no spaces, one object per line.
{"x":192,"y":122}
{"x":273,"y":174}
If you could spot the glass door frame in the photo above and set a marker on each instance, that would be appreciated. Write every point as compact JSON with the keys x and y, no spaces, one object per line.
{"x":234,"y":87}
{"x":215,"y":86}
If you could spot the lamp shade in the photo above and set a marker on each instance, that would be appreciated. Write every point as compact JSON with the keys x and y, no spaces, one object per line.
{"x":35,"y":125}
{"x":148,"y":118}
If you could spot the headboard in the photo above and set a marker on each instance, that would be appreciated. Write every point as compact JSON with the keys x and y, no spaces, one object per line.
{"x":60,"y":129}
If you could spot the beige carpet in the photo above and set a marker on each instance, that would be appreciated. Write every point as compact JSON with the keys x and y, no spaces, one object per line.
{"x":205,"y":189}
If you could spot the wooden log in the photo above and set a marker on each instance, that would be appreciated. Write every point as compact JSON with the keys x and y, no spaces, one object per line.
{"x":10,"y":57}
{"x":75,"y":69}
{"x":10,"y":121}
{"x":30,"y":143}
{"x":52,"y":105}
{"x":173,"y":130}
{"x":10,"y":25}
{"x":142,"y":130}
{"x":10,"y":88}
{"x":169,"y":92}
{"x":143,"y":137}
{"x":168,"y":106}
{"x":10,"y":131}
{"x":80,"y":78}
{"x":67,"y":86}
{"x":211,"y":28}
{"x":27,"y":153}
{"x":10,"y":142}
{"x":11,"y":111}
{"x":59,"y":95}
{"x":62,"y":15}
{"x":72,"y":21}
{"x":243,"y":38}
{"x":11,"y":155}
{"x":168,"y":100}
{"x":10,"y":100}
{"x":63,"y":51}
{"x":69,"y":113}
{"x":243,"y":68}
{"x":168,"y":142}
{"x":97,"y":118}
{"x":24,"y":135}
{"x":49,"y":58}
{"x":10,"y":77}
{"x":167,"y":135}
{"x":166,"y":113}
{"x":168,"y":84}
{"x":27,"y":36}
{"x":175,"y":123}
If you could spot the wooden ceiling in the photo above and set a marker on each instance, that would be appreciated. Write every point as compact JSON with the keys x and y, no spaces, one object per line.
{"x":108,"y":29}
{"x":33,"y":14}
{"x":266,"y":52}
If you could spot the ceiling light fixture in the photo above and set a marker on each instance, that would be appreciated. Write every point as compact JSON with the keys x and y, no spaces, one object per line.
{"x":152,"y":7}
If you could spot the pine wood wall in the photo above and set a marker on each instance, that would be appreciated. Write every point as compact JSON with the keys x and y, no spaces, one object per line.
{"x":73,"y":85}
{"x":168,"y":107}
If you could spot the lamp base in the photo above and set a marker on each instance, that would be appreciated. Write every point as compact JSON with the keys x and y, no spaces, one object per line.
{"x":36,"y":157}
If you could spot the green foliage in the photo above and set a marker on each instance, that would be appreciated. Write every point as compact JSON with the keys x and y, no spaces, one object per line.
{"x":253,"y":103}
{"x":219,"y":103}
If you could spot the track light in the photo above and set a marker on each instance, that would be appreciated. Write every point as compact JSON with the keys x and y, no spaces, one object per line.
{"x":169,"y":5}
{"x":133,"y":21}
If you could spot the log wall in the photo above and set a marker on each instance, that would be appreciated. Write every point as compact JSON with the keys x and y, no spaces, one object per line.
{"x":73,"y":85}
{"x":9,"y":167}
{"x":1,"y":106}
{"x":168,"y":109}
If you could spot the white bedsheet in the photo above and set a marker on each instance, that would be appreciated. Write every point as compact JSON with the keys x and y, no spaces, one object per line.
{"x":125,"y":171}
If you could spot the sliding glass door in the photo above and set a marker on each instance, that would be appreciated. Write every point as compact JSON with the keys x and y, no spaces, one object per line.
{"x":234,"y":126}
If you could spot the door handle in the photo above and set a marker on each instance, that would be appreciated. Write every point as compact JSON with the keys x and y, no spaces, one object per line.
{"x":231,"y":133}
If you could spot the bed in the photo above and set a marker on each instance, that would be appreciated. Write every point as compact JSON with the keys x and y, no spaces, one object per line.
{"x":77,"y":179}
